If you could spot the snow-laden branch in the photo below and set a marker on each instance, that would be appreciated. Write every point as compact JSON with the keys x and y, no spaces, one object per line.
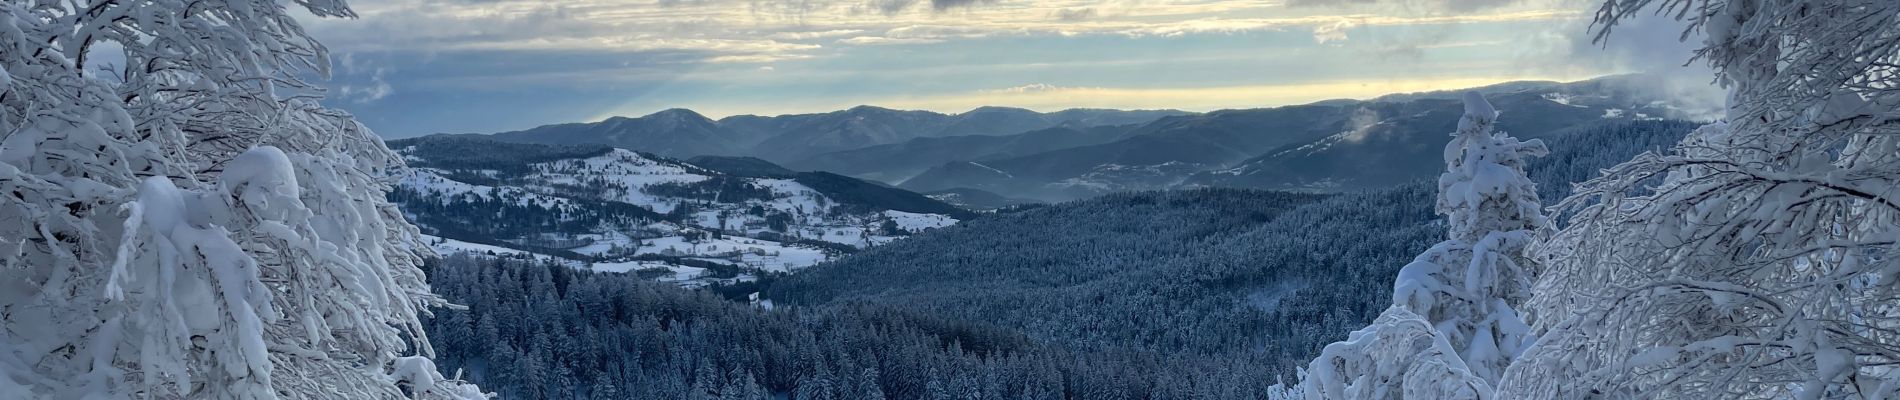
{"x":1755,"y":259}
{"x":194,"y":224}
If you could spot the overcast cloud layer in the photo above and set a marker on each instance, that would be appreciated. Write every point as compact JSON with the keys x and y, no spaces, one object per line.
{"x":414,"y":67}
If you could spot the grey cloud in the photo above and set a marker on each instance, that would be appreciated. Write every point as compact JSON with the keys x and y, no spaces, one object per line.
{"x":1411,"y":45}
{"x":1423,"y":6}
{"x":1075,"y":14}
{"x":795,"y":10}
{"x":1647,"y":44}
{"x":889,"y":7}
{"x":1325,"y":3}
{"x":892,"y":7}
{"x":941,"y":5}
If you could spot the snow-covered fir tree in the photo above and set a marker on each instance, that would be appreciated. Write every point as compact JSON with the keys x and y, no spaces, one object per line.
{"x":1452,"y":328}
{"x":186,"y":220}
{"x":1755,"y":260}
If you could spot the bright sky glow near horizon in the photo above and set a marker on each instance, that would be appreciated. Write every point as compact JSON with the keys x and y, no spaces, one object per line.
{"x":416,"y":67}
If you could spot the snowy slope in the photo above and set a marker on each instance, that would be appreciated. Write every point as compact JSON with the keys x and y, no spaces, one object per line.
{"x":668,"y":214}
{"x":431,"y":181}
{"x":620,"y":168}
{"x":916,"y":222}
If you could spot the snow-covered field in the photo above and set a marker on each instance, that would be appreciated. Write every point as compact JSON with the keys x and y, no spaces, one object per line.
{"x":917,"y":222}
{"x":745,"y":253}
{"x":431,"y":181}
{"x":447,"y":246}
{"x":756,"y":253}
{"x":638,"y":265}
{"x":803,"y":213}
{"x":622,"y":167}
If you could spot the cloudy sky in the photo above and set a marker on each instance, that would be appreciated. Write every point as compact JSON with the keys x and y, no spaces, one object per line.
{"x":415,"y":67}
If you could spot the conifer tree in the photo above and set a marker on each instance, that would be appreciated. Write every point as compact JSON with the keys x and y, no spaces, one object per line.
{"x":194,"y":222}
{"x":1452,"y":328}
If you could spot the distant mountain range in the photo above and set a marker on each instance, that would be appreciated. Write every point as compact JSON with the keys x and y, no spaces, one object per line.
{"x":1012,"y":153}
{"x":682,"y":133}
{"x":899,"y":161}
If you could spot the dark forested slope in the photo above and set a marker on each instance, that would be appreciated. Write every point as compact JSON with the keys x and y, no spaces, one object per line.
{"x":1164,"y":295}
{"x":539,"y":331}
{"x":1202,"y":271}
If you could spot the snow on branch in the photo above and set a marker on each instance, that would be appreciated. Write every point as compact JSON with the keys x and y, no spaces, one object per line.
{"x":1754,"y":260}
{"x":196,"y":225}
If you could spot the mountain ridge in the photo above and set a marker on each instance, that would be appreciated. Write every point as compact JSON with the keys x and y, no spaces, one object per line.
{"x":1078,"y":153}
{"x":683,"y":133}
{"x":1337,"y":145}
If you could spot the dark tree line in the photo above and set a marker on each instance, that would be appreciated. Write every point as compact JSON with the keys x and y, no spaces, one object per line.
{"x":720,"y":188}
{"x":504,"y":216}
{"x":453,"y":152}
{"x":550,"y":332}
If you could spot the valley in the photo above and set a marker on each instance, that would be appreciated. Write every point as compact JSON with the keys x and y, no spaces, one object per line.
{"x":1173,"y":236}
{"x":950,"y":200}
{"x":751,"y":228}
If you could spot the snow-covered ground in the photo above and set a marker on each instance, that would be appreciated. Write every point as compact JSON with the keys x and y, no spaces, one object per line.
{"x":448,"y":246}
{"x":445,"y":246}
{"x":918,"y":222}
{"x":684,"y":275}
{"x":431,"y":181}
{"x":747,"y":252}
{"x":853,"y":235}
{"x":622,"y":167}
{"x":741,"y":252}
{"x":806,"y":212}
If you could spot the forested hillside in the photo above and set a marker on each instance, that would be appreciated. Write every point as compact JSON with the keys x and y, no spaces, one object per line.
{"x":731,"y":222}
{"x":1132,"y":295}
{"x":185,"y":215}
{"x":550,"y":332}
{"x":1330,"y":146}
{"x":1208,"y":271}
{"x":1751,"y":260}
{"x":684,"y":133}
{"x":1077,"y":154}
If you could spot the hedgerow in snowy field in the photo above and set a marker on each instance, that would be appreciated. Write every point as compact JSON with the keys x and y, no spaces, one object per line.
{"x":1755,"y":260}
{"x":191,"y":222}
{"x":1452,"y":329}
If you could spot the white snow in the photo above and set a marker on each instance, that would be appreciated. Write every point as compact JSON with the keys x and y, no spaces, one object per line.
{"x":620,"y":166}
{"x":623,"y":175}
{"x":918,"y":222}
{"x":683,"y":274}
{"x":634,"y":266}
{"x":447,"y":246}
{"x":1459,"y":294}
{"x":1559,"y":98}
{"x":754,"y":253}
{"x":202,"y":232}
{"x":1565,"y":99}
{"x":431,"y":181}
{"x":992,"y":169}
